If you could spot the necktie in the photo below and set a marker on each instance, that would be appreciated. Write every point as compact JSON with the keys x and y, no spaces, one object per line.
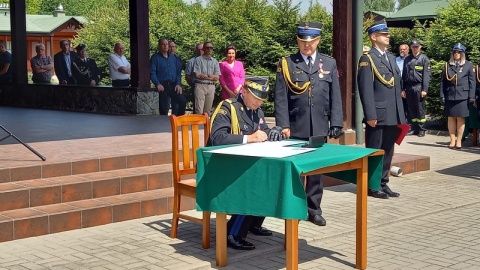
{"x":310,"y":62}
{"x":386,"y":57}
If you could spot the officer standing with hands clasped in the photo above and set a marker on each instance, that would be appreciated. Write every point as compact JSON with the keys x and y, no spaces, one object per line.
{"x":379,"y":86}
{"x":241,"y":120}
{"x":308,"y":102}
{"x":416,"y":77}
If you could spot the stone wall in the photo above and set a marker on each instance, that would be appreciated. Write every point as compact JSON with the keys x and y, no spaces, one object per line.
{"x":98,"y":99}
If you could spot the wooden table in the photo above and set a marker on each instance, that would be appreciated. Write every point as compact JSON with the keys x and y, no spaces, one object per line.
{"x":360,"y":165}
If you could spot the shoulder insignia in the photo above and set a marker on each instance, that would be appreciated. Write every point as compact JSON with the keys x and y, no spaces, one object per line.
{"x":363,"y":64}
{"x":326,"y":55}
{"x":222,"y":111}
{"x":279,"y":69}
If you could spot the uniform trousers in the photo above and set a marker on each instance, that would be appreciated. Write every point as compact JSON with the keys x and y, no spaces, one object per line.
{"x":416,"y":107}
{"x":238,"y":225}
{"x":313,"y":190}
{"x":382,"y":137}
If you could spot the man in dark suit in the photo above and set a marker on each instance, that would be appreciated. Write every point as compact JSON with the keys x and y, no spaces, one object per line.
{"x":379,"y":85}
{"x":63,"y":63}
{"x":308,"y":102}
{"x":241,"y":120}
{"x":85,"y":70}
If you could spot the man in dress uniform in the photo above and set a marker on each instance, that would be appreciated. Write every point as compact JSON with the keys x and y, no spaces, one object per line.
{"x":85,"y":70}
{"x":416,"y":77}
{"x":379,"y":85}
{"x":308,"y":102}
{"x":240,"y":120}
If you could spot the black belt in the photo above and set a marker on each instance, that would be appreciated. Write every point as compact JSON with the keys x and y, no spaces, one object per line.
{"x":205,"y":82}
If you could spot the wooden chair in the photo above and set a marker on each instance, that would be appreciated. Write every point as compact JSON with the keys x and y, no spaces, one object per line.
{"x":184,"y":162}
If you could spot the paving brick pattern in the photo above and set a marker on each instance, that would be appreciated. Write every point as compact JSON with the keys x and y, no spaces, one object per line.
{"x":435,"y":224}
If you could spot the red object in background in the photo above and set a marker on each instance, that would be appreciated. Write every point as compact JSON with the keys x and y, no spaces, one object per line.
{"x":402,"y":130}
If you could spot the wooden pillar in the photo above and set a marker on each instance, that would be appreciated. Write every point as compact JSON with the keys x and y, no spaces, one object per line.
{"x":139,"y":43}
{"x":343,"y":53}
{"x":18,"y":29}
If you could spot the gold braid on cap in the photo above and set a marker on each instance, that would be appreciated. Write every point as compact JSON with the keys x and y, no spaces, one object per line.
{"x":256,"y":86}
{"x":235,"y":126}
{"x":450,"y":78}
{"x":390,"y":82}
{"x":294,"y":87}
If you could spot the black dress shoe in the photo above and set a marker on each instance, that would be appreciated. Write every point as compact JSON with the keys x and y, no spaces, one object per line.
{"x":239,"y":244}
{"x":389,"y":192}
{"x":318,"y":220}
{"x":260,"y":231}
{"x":410,"y":132}
{"x":421,"y":133}
{"x":377,"y":194}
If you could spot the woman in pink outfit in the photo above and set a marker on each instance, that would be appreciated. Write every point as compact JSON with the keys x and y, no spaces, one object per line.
{"x":232,"y":74}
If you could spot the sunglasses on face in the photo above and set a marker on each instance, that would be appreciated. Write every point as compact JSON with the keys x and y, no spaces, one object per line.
{"x":210,"y":48}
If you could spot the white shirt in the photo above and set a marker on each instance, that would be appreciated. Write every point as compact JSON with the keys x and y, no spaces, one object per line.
{"x":305,"y":58}
{"x":115,"y":62}
{"x":400,"y":60}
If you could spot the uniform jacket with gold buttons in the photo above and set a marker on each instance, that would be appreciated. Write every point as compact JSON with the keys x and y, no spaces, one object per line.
{"x":381,"y":101}
{"x":318,"y":107}
{"x":249,"y":122}
{"x":458,"y":82}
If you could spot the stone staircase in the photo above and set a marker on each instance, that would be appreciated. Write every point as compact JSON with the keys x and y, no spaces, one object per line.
{"x":38,"y":198}
{"x":56,"y":197}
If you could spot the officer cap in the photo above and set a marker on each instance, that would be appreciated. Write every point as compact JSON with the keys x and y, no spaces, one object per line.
{"x":81,"y":47}
{"x":459,"y":47}
{"x":415,"y":42}
{"x":378,"y":26}
{"x":308,"y":31}
{"x":258,"y":86}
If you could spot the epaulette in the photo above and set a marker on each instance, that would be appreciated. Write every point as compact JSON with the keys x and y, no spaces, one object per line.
{"x":322,"y":54}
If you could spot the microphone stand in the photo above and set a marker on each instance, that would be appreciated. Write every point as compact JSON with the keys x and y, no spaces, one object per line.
{"x":10,"y":134}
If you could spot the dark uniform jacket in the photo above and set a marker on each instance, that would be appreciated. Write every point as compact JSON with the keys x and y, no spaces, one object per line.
{"x":308,"y":113}
{"x":416,"y":72}
{"x":221,"y":129}
{"x":61,"y":66}
{"x":458,"y":82}
{"x":85,"y":72}
{"x":381,"y":101}
{"x":477,"y":75}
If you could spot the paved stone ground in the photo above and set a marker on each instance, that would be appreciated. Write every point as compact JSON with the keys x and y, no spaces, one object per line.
{"x":435,"y":224}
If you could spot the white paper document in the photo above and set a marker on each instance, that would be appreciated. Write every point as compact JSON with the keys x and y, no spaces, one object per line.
{"x":265,"y":149}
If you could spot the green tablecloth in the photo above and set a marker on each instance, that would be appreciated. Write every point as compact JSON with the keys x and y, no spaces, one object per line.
{"x":271,"y":186}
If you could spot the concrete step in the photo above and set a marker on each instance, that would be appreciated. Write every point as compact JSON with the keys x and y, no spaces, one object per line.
{"x":408,"y":163}
{"x":61,"y":189}
{"x":83,"y":166}
{"x":41,"y":220}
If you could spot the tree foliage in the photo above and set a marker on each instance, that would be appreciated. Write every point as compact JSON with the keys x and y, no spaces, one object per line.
{"x":403,"y":3}
{"x":379,"y":5}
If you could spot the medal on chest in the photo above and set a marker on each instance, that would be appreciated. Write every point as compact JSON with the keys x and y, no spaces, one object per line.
{"x":320,"y":69}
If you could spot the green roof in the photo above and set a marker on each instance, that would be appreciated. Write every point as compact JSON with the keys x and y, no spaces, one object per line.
{"x":385,"y":14}
{"x":39,"y":24}
{"x":420,"y":9}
